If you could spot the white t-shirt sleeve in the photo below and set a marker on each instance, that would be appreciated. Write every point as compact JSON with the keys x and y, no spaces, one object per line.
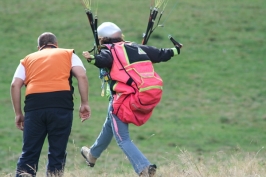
{"x":76,"y":61}
{"x":20,"y":72}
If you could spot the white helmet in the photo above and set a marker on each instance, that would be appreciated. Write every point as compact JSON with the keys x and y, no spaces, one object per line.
{"x":109,"y":29}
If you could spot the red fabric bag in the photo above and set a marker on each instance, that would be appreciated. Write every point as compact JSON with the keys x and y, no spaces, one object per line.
{"x":138,"y":87}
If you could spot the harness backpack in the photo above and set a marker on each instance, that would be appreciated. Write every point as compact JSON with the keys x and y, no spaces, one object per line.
{"x":137,"y":87}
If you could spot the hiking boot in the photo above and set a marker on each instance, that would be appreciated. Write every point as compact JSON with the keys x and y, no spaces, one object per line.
{"x":149,"y":171}
{"x":85,"y":152}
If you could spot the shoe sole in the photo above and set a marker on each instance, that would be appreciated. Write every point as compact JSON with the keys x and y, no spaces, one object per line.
{"x":88,"y":163}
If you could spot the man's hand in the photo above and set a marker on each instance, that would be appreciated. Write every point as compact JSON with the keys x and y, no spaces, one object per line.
{"x":20,"y":121}
{"x":84,"y":112}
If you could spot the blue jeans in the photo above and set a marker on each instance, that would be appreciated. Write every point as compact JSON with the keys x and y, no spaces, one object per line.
{"x":54,"y":122}
{"x":113,"y":126}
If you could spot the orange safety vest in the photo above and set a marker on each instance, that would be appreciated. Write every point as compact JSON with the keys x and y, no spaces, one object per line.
{"x":48,"y":70}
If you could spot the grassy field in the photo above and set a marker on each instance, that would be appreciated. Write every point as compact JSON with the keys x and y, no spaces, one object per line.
{"x":215,"y":91}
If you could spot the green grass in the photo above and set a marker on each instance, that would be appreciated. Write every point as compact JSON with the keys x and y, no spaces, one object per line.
{"x":214,"y":93}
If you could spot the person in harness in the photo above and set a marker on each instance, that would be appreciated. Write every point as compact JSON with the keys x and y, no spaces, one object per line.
{"x":134,"y":88}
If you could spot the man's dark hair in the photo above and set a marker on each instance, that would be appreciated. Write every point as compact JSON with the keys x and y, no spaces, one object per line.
{"x":46,"y":38}
{"x":107,"y":40}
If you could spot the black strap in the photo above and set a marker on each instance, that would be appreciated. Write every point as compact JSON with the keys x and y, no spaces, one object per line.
{"x":129,"y":81}
{"x":48,"y":45}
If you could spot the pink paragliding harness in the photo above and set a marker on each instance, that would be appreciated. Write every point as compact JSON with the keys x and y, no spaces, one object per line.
{"x":137,"y":87}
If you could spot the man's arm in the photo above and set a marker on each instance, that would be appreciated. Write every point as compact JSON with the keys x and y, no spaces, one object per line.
{"x":15,"y":92}
{"x":80,"y":74}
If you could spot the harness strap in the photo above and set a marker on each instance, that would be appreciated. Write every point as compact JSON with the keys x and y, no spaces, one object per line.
{"x":129,"y":81}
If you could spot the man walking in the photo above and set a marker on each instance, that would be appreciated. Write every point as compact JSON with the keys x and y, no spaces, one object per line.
{"x":47,"y":76}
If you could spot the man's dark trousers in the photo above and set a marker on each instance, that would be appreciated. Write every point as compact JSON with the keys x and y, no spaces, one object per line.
{"x":55,"y":123}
